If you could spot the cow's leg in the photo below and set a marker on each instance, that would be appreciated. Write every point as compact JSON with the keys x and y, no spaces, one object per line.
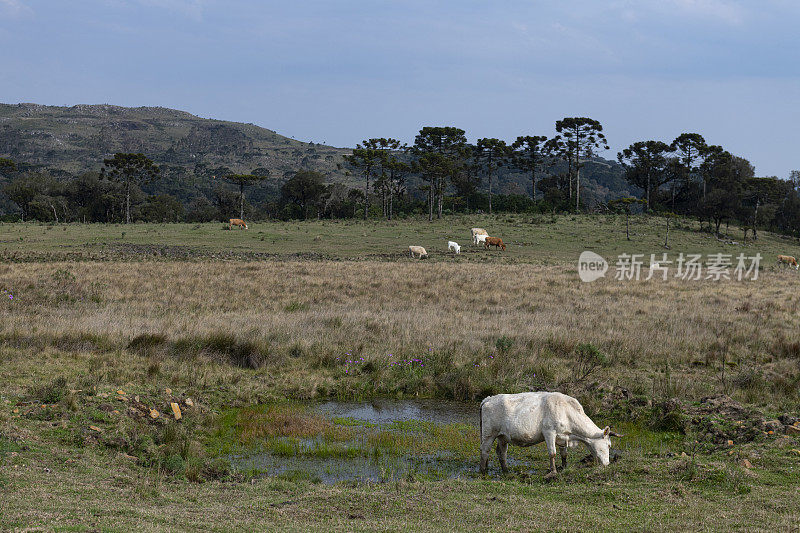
{"x":502,"y":452}
{"x":563,"y":451}
{"x":550,"y":442}
{"x":486,"y":447}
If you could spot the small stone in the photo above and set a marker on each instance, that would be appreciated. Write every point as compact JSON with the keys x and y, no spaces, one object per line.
{"x":176,"y":410}
{"x":168,"y":390}
{"x":154,"y":414}
{"x":136,"y":398}
{"x":95,"y":428}
{"x":745,"y":463}
{"x":189,"y":402}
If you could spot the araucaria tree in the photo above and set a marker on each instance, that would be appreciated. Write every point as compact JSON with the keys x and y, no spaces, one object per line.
{"x":579,"y":137}
{"x":243,"y":180}
{"x":645,"y":165}
{"x":490,"y":154}
{"x":434,"y":169}
{"x":691,"y":149}
{"x":129,"y":169}
{"x":528,"y":156}
{"x":391,"y":171}
{"x":440,"y":152}
{"x":366,"y":158}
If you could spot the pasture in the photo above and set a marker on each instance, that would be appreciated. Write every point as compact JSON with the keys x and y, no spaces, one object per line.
{"x":255,"y":327}
{"x":537,"y":239}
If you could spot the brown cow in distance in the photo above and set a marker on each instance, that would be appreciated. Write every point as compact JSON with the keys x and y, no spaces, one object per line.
{"x":788,"y":260}
{"x":494,"y":241}
{"x":237,"y":222}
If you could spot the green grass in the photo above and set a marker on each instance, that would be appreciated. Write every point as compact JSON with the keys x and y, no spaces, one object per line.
{"x":531,"y":239}
{"x":242,"y":338}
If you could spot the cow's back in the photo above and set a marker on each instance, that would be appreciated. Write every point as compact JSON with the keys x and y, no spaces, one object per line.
{"x":522,"y":417}
{"x":513,"y":415}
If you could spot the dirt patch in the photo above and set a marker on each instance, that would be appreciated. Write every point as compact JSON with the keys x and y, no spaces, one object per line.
{"x":720,"y":419}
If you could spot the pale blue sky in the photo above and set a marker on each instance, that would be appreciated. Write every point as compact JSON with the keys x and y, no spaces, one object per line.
{"x":342,"y":71}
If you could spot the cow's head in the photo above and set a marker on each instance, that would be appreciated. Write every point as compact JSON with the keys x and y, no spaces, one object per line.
{"x":601,"y":445}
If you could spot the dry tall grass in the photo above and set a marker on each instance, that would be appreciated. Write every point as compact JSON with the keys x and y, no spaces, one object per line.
{"x":517,"y":325}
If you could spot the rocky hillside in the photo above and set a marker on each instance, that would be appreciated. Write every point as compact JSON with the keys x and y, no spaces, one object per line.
{"x":76,"y":139}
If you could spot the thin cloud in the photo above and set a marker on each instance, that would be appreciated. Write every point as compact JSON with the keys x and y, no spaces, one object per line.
{"x":14,"y":8}
{"x":720,"y":10}
{"x":193,"y":9}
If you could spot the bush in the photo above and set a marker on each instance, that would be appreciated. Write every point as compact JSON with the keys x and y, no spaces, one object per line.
{"x":146,"y":342}
{"x":246,"y":354}
{"x":504,"y":344}
{"x":174,"y":464}
{"x":668,"y":416}
{"x":587,"y":359}
{"x":52,"y":392}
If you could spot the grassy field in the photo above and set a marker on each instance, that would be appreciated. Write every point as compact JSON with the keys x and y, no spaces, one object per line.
{"x":538,"y":239}
{"x":241,"y":329}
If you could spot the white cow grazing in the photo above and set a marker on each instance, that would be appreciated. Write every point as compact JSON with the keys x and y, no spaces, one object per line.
{"x":418,"y":250}
{"x":452,"y":245}
{"x":532,"y":417}
{"x":480,"y":239}
{"x":476,"y":232}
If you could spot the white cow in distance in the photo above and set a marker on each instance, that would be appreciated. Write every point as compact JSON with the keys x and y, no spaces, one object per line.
{"x":476,"y":232}
{"x":480,"y":239}
{"x":452,"y":245}
{"x":532,"y":417}
{"x":417,"y":251}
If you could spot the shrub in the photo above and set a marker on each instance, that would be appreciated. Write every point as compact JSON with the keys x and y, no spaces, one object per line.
{"x":246,"y":354}
{"x":146,"y":342}
{"x":504,"y":344}
{"x":174,"y":464}
{"x":748,"y":378}
{"x":587,"y":359}
{"x":668,"y":416}
{"x":52,"y":392}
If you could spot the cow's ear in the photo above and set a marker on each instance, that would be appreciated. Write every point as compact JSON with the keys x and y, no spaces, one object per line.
{"x":606,"y":431}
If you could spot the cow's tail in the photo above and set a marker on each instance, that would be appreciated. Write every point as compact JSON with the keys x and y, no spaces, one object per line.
{"x":481,"y":422}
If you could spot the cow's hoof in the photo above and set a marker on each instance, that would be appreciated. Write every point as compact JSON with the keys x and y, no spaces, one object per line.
{"x":553,"y":474}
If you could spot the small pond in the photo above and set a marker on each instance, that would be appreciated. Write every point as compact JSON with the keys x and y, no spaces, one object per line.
{"x":384,"y":411}
{"x":377,"y":440}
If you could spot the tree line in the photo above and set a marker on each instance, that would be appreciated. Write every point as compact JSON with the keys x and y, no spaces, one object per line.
{"x":440,"y":172}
